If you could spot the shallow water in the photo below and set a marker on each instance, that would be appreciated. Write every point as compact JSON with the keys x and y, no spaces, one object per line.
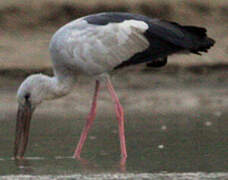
{"x":182,"y":144}
{"x":174,"y":144}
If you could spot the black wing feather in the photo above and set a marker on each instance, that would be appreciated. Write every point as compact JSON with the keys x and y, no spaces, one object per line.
{"x":165,"y":37}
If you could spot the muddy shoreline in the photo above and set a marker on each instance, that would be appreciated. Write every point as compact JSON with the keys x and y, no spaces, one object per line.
{"x":170,"y":69}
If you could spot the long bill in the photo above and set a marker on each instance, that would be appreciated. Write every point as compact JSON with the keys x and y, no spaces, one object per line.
{"x":24,"y":115}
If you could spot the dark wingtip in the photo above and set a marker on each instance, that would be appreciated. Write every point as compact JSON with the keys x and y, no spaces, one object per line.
{"x":198,"y":31}
{"x":205,"y":42}
{"x":203,"y":45}
{"x":156,"y":63}
{"x":211,"y":42}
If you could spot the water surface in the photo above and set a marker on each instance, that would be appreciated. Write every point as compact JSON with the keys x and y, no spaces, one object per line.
{"x":173,"y":133}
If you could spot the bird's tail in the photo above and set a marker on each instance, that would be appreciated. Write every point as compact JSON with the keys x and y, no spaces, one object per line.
{"x":202,"y":41}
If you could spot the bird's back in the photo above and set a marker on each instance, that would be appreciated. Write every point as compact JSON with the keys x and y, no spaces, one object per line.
{"x":102,"y":42}
{"x":94,"y":48}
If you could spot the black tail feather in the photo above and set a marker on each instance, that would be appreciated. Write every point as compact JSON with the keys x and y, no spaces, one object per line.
{"x":199,"y":31}
{"x":166,"y":38}
{"x":202,"y":41}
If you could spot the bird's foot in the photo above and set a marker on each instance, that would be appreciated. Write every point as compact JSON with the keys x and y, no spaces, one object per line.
{"x":123,"y":160}
{"x":18,"y":157}
{"x":123,"y":164}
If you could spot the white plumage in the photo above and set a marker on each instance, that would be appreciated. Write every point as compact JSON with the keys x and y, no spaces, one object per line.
{"x":97,"y":49}
{"x":95,"y":45}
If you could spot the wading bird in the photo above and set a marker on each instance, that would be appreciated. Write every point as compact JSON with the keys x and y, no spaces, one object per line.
{"x":96,"y":45}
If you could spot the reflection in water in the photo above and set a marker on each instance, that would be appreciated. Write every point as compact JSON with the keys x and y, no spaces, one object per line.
{"x":89,"y":165}
{"x":24,"y":166}
{"x":85,"y":164}
{"x":159,"y":138}
{"x":60,"y":165}
{"x":184,"y":143}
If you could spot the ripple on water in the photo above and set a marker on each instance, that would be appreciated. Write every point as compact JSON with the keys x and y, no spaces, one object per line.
{"x":38,"y":158}
{"x":112,"y":176}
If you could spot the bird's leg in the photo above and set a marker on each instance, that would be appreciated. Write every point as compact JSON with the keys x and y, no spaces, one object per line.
{"x":89,"y":122}
{"x":120,"y":117}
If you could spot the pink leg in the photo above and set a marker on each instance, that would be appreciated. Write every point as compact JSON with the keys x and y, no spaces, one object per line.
{"x":120,"y":117}
{"x":89,"y":122}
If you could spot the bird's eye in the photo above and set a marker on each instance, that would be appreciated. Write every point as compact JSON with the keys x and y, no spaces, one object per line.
{"x":27,"y":96}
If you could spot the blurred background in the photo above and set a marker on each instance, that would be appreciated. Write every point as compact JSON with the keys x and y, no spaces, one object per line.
{"x":32,"y":23}
{"x":181,"y":108}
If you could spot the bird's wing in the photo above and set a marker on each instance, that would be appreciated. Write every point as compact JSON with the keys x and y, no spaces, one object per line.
{"x":101,"y":42}
{"x":166,"y":30}
{"x":104,"y":47}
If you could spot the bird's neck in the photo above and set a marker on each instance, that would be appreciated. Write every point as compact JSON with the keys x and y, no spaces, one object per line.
{"x":56,"y":87}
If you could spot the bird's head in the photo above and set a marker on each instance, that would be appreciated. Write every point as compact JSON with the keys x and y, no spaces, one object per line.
{"x":30,"y":94}
{"x":33,"y":90}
